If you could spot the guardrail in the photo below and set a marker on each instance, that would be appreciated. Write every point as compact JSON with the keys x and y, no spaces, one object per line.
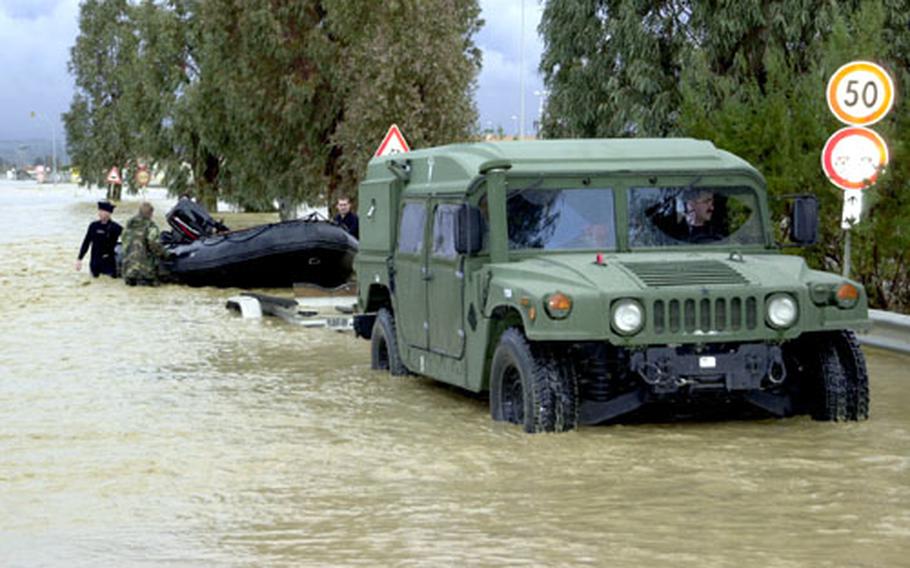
{"x":889,"y":331}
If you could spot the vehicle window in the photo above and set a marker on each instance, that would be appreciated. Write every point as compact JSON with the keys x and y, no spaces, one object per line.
{"x":555,"y":219}
{"x":444,"y":231}
{"x":679,"y":216}
{"x":410,"y":229}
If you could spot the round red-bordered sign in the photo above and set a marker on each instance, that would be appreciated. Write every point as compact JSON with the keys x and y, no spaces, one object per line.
{"x":860,"y":93}
{"x":853,"y":156}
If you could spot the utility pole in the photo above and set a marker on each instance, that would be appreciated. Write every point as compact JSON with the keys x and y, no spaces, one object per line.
{"x":521,"y":74}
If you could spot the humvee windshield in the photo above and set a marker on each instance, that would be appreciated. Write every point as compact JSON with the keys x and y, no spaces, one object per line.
{"x":554,"y":219}
{"x":679,"y":216}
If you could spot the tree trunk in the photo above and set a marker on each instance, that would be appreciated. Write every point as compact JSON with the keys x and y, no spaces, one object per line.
{"x":207,"y":197}
{"x":287,"y":209}
{"x":207,"y":184}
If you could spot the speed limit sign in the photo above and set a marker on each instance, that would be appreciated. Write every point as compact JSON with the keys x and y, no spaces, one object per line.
{"x":860,"y":93}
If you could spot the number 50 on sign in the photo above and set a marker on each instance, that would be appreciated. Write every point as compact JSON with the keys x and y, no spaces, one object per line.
{"x":860,"y":93}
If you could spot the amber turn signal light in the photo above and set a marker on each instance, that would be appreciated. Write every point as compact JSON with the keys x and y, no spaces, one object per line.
{"x":847,"y":294}
{"x":558,"y":305}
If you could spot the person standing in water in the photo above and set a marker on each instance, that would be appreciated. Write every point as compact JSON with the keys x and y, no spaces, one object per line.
{"x":141,"y":249}
{"x":101,"y":237}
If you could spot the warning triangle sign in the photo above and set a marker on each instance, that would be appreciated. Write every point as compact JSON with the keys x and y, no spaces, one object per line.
{"x":114,"y":176}
{"x":393,"y":143}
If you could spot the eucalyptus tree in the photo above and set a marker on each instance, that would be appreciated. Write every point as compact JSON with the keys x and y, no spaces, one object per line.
{"x":612,"y":67}
{"x":750,"y":76}
{"x":413,"y":63}
{"x":258,"y":103}
{"x":271,"y":70}
{"x":99,"y":125}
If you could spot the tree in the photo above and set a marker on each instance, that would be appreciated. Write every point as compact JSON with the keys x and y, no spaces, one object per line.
{"x":257,"y":103}
{"x":612,"y":67}
{"x":180,"y":76}
{"x":98,"y":124}
{"x":749,"y":76}
{"x":270,"y":67}
{"x":412,"y":63}
{"x":766,"y":103}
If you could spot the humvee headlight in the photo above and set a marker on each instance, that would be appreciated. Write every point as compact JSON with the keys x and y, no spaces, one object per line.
{"x":782,"y":311}
{"x":628,"y":317}
{"x":847,"y":295}
{"x":558,"y":305}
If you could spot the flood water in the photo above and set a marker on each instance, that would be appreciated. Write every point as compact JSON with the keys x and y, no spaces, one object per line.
{"x":150,"y":426}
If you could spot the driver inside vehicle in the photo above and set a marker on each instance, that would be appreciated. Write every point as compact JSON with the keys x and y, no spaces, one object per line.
{"x":699,"y":211}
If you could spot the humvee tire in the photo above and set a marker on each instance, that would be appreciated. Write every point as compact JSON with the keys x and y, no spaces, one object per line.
{"x":830,"y":401}
{"x":842,"y":383}
{"x":384,"y":354}
{"x":854,"y":364}
{"x":527,"y":387}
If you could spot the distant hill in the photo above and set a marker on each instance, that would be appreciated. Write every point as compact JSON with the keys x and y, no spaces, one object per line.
{"x":27,"y":151}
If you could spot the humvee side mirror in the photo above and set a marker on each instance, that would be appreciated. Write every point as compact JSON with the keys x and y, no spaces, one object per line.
{"x":469,"y":229}
{"x":804,"y":220}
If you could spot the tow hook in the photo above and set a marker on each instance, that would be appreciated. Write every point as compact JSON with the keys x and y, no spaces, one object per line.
{"x":777,"y":373}
{"x":657,"y":374}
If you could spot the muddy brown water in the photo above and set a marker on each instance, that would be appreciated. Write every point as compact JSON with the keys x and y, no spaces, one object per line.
{"x":151,"y":426}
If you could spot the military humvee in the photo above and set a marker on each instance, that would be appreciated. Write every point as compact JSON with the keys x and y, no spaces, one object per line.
{"x":579,"y":281}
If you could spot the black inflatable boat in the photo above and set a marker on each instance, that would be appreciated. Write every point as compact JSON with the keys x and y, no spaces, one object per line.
{"x":202,"y":252}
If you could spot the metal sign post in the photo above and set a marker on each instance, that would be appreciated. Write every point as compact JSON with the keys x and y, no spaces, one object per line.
{"x":853,"y":208}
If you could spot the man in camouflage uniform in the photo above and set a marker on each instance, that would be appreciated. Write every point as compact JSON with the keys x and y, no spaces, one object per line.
{"x":141,"y":249}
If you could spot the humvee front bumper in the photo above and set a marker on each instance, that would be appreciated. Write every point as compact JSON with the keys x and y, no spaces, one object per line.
{"x":744,"y":369}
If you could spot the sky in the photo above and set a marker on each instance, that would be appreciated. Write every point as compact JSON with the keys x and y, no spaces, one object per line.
{"x":36,"y":36}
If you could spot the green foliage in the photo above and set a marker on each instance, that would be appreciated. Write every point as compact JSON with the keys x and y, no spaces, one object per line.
{"x":612,"y":66}
{"x":256,"y":103}
{"x":751,"y":78}
{"x":98,"y":124}
{"x":409,"y":62}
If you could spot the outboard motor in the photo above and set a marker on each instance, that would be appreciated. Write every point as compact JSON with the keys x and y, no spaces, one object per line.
{"x":190,"y":221}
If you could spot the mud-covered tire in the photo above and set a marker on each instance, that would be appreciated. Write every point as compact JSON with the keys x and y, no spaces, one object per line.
{"x":566,"y":395}
{"x":855,"y":374}
{"x":530,"y":387}
{"x":384,"y":354}
{"x":827,"y":377}
{"x":831,"y":400}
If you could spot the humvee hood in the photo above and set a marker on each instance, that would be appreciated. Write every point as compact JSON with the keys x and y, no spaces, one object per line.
{"x":639,"y":271}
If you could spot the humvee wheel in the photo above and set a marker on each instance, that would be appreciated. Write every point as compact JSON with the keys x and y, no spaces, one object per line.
{"x":830,"y":401}
{"x":527,"y":388}
{"x":384,"y":353}
{"x":857,"y":379}
{"x":827,"y":376}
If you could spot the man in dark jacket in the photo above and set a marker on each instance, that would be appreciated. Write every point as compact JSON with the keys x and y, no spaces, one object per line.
{"x":347,"y":219}
{"x":102,"y":237}
{"x":141,"y":249}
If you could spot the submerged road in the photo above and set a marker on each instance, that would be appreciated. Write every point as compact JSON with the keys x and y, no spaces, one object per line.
{"x":151,"y":426}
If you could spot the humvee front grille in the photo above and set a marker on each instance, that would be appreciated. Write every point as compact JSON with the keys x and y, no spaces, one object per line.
{"x":702,"y":273}
{"x":704,"y":315}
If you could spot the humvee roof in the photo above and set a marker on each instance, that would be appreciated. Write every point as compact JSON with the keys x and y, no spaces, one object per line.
{"x":465,"y":161}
